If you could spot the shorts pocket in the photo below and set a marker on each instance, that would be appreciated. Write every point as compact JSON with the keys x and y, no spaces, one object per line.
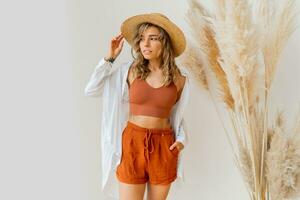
{"x":127,"y":167}
{"x":175,"y":152}
{"x":127,"y":141}
{"x":172,"y":156}
{"x":169,"y":140}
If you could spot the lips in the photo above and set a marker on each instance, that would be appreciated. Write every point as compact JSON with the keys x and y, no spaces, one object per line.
{"x":147,"y":51}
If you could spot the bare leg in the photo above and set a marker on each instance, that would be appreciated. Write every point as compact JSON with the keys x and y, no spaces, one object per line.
{"x":131,"y":191}
{"x":157,"y":192}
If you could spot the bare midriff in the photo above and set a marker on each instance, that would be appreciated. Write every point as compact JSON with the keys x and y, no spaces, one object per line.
{"x":149,"y":121}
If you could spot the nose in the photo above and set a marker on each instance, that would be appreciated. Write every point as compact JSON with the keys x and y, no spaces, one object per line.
{"x":146,"y":42}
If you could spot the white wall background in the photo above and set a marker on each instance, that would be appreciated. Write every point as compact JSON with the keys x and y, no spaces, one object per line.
{"x":50,"y":140}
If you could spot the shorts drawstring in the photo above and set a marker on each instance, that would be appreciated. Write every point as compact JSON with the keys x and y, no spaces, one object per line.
{"x":148,"y":142}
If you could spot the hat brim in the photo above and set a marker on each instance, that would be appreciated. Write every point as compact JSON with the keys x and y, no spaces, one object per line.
{"x":176,"y":35}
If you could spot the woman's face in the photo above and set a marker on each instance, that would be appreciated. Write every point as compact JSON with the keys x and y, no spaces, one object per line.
{"x":150,"y":44}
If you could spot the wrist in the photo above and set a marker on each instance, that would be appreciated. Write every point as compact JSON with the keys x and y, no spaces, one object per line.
{"x":110,"y":59}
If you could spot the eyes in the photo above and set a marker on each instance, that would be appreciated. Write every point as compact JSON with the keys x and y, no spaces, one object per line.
{"x":151,"y":38}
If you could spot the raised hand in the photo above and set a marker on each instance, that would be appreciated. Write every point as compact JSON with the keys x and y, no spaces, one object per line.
{"x":116,"y":45}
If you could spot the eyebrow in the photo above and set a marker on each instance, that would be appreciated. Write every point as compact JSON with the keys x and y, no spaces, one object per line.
{"x":150,"y":35}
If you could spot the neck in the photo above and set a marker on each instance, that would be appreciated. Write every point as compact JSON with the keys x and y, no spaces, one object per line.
{"x":154,"y":64}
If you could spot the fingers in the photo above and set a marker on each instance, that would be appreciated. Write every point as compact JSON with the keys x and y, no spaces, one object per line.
{"x":118,"y":37}
{"x":173,"y":146}
{"x":177,"y":145}
{"x":122,"y":42}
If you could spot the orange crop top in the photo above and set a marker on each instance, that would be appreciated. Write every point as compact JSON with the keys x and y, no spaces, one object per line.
{"x":147,"y":100}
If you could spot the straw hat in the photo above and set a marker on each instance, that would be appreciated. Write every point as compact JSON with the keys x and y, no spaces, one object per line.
{"x":176,"y":35}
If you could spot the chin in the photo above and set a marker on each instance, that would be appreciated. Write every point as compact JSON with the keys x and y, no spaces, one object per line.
{"x":147,"y":57}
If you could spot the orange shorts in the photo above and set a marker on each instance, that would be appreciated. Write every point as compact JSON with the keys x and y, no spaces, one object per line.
{"x":146,"y":156}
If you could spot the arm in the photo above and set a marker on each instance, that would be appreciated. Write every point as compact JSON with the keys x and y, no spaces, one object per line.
{"x":104,"y":68}
{"x":182,"y":133}
{"x":95,"y":84}
{"x":182,"y":136}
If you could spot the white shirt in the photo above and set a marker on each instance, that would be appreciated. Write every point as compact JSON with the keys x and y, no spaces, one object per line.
{"x":109,"y":82}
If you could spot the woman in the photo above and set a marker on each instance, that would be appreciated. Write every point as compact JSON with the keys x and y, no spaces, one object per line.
{"x":153,"y":136}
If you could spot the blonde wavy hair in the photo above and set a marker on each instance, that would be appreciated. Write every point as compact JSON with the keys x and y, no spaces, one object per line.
{"x":169,"y":68}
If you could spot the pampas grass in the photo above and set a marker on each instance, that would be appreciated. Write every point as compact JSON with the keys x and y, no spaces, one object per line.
{"x":190,"y":59}
{"x":279,"y":18}
{"x":199,"y":18}
{"x":243,"y":53}
{"x":283,"y":163}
